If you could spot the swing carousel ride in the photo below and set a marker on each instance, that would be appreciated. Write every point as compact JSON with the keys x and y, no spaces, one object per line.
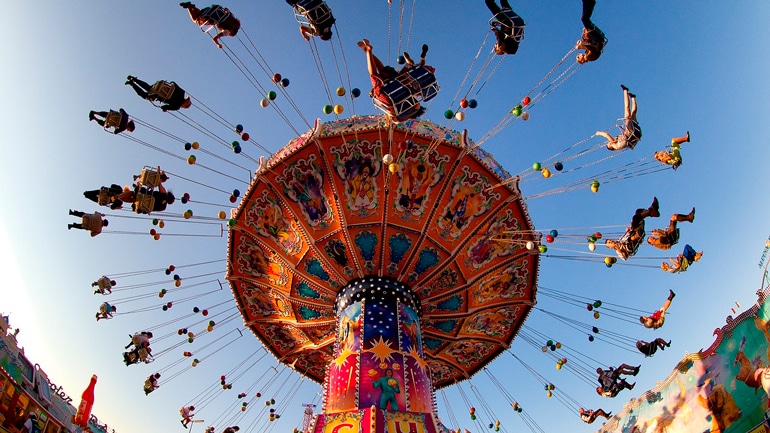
{"x":383,"y":256}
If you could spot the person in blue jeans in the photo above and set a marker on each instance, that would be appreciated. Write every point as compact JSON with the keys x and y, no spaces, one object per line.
{"x":593,"y":39}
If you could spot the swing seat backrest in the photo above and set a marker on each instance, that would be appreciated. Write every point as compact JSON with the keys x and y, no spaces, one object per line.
{"x":145,"y":203}
{"x":113,"y":119}
{"x":144,"y":356}
{"x":149,"y":178}
{"x":105,"y":197}
{"x":213,"y":17}
{"x":632,"y":137}
{"x":313,"y":12}
{"x":630,"y":242}
{"x":162,"y":90}
{"x":504,"y":18}
{"x":425,"y":80}
{"x":403,"y":103}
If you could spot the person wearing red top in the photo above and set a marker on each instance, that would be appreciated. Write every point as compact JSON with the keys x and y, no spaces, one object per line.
{"x":656,"y":319}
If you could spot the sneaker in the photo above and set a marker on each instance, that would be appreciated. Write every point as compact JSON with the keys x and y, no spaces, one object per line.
{"x":624,"y":87}
{"x":424,"y":51}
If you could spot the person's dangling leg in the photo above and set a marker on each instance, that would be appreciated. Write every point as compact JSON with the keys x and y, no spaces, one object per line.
{"x":588,"y":10}
{"x":680,"y":140}
{"x":667,"y":304}
{"x":493,"y":7}
{"x":137,"y":88}
{"x":632,"y":97}
{"x":690,"y":217}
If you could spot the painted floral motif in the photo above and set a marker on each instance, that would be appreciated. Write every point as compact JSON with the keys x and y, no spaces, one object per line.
{"x":282,"y":337}
{"x":252,"y":262}
{"x":303,"y":183}
{"x":508,"y":284}
{"x":440,"y":371}
{"x":495,"y":324}
{"x":470,"y":199}
{"x":261,"y":302}
{"x":336,"y":251}
{"x":489,"y":247}
{"x":468,"y":353}
{"x":451,"y":304}
{"x":265,"y":216}
{"x":359,"y":164}
{"x":421,"y":172}
{"x":447,"y":279}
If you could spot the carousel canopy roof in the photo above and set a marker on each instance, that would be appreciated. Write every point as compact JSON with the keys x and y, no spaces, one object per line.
{"x":363,"y":197}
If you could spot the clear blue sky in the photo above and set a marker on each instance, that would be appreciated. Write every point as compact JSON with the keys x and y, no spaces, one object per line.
{"x":695,"y":65}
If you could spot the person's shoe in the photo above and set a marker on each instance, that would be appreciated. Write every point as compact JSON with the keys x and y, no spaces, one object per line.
{"x":609,"y":414}
{"x":636,"y":369}
{"x":668,"y":344}
{"x":671,"y":294}
{"x":97,"y":317}
{"x":691,"y":215}
{"x":69,"y":226}
{"x":71,"y":213}
{"x":183,"y":424}
{"x":698,"y":256}
{"x":91,"y":115}
{"x":654,"y":208}
{"x":185,"y":4}
{"x":129,"y":79}
{"x":688,"y":137}
{"x":624,"y":87}
{"x":632,"y":95}
{"x":424,"y":51}
{"x":631,"y":386}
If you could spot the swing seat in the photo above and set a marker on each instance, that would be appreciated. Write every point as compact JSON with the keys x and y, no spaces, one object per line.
{"x":105,"y":197}
{"x":504,"y":18}
{"x":634,"y":136}
{"x":313,"y":12}
{"x":162,"y":90}
{"x":113,"y":120}
{"x":144,"y":203}
{"x":213,"y":16}
{"x":596,"y":39}
{"x":149,"y":178}
{"x":425,"y":81}
{"x":403,"y":103}
{"x":144,"y":356}
{"x":104,"y":283}
{"x":629,"y":243}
